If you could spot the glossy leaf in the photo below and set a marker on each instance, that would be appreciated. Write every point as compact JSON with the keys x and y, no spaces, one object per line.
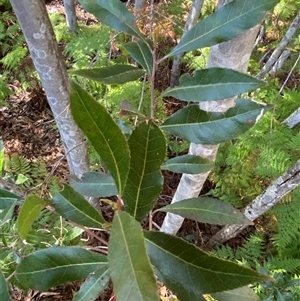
{"x":54,"y":266}
{"x":225,"y":24}
{"x":93,"y":285}
{"x":188,"y":164}
{"x":30,"y":210}
{"x":95,"y":184}
{"x":147,"y":145}
{"x":7,"y":213}
{"x":244,"y":293}
{"x":112,"y":75}
{"x":4,"y":288}
{"x":114,"y":14}
{"x":212,"y":84}
{"x":201,"y":127}
{"x":141,"y":53}
{"x":207,"y":210}
{"x":74,"y":207}
{"x":7,"y":199}
{"x":103,"y":133}
{"x":189,"y":272}
{"x":129,"y":265}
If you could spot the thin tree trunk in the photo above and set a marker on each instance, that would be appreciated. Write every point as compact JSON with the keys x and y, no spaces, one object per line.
{"x":234,"y":54}
{"x":293,"y":119}
{"x":280,"y":48}
{"x":271,"y":196}
{"x":48,"y":61}
{"x":192,"y":18}
{"x":70,"y":12}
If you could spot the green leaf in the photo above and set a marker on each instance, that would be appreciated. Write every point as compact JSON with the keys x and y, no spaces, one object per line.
{"x":4,"y":288}
{"x":212,"y":84}
{"x":112,"y":75}
{"x":103,"y":133}
{"x":189,"y":272}
{"x":141,"y":53}
{"x":244,"y":293}
{"x":72,"y":206}
{"x":93,"y":285}
{"x":225,"y":24}
{"x":21,"y":179}
{"x":147,"y":144}
{"x":114,"y":14}
{"x":128,"y":109}
{"x":95,"y":184}
{"x":207,"y":210}
{"x":129,"y":265}
{"x":30,"y":210}
{"x":188,"y":164}
{"x":201,"y":127}
{"x":7,"y":213}
{"x":54,"y":266}
{"x":7,"y":199}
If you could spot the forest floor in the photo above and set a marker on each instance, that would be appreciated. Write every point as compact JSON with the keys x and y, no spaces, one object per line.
{"x":27,"y":128}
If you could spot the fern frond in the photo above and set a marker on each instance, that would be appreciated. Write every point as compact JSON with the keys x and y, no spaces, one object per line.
{"x":288,"y":226}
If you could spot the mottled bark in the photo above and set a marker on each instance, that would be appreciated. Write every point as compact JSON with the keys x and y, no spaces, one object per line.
{"x":48,"y":61}
{"x":280,"y":48}
{"x":70,"y":12}
{"x":271,"y":196}
{"x":192,"y":18}
{"x":293,"y":119}
{"x":234,"y":54}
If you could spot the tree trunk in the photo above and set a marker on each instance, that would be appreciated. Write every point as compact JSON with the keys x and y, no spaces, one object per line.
{"x":234,"y":54}
{"x":70,"y":12}
{"x":272,"y":195}
{"x":192,"y":18}
{"x":279,"y":50}
{"x":293,"y":119}
{"x":48,"y":61}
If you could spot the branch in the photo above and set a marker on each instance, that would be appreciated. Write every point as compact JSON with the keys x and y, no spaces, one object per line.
{"x":279,"y":50}
{"x":271,"y":196}
{"x":192,"y":18}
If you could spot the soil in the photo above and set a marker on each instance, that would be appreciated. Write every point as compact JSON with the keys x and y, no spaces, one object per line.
{"x":27,"y":127}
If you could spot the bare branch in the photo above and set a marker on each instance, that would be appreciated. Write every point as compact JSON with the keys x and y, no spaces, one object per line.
{"x":272,"y":195}
{"x":279,"y":50}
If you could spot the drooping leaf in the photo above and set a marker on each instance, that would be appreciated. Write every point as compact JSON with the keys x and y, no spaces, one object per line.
{"x":7,"y":213}
{"x":212,"y":84}
{"x":112,"y":75}
{"x":129,"y":265}
{"x":72,"y":206}
{"x":201,"y":127}
{"x":95,"y":184}
{"x":128,"y":109}
{"x":225,"y":24}
{"x":103,"y":133}
{"x":188,"y":164}
{"x":7,"y":199}
{"x":189,"y":272}
{"x":244,"y":293}
{"x":141,"y":53}
{"x":114,"y":14}
{"x":207,"y":210}
{"x":57,"y":265}
{"x":4,"y":288}
{"x":147,"y":144}
{"x":93,"y":285}
{"x":30,"y":210}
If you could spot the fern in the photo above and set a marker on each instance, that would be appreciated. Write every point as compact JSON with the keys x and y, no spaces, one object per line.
{"x":14,"y":58}
{"x":287,"y":227}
